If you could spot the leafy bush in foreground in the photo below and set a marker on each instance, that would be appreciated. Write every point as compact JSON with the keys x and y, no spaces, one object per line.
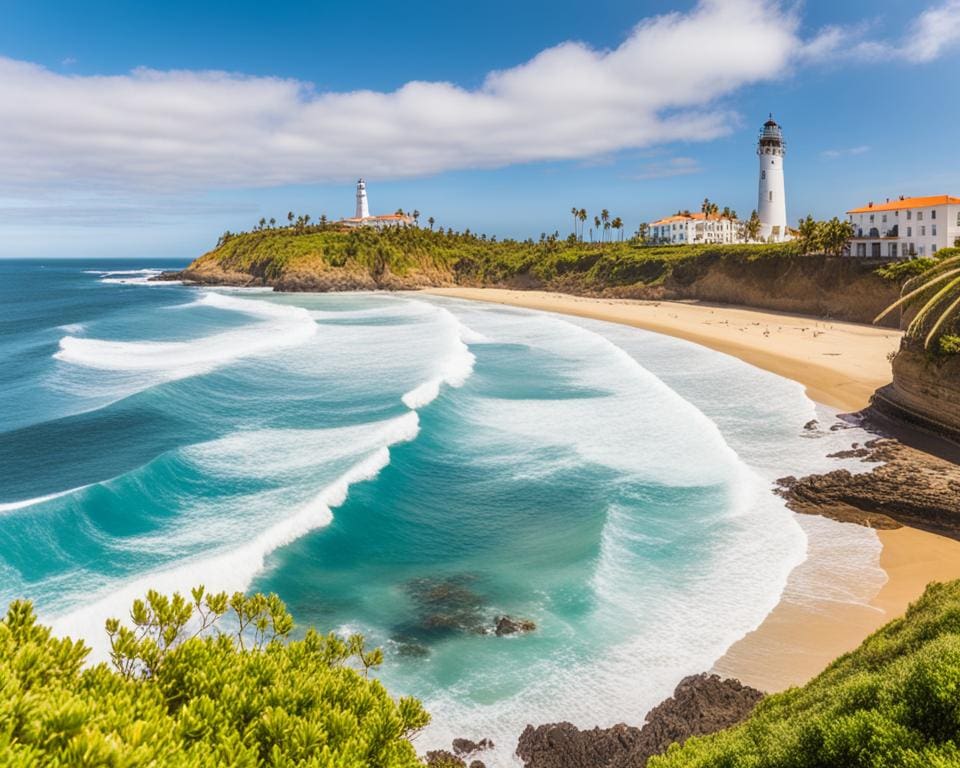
{"x":183,"y":690}
{"x":894,"y":702}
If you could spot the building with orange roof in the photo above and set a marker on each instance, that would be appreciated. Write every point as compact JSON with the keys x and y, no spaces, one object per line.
{"x":362,"y":217}
{"x":905,"y":227}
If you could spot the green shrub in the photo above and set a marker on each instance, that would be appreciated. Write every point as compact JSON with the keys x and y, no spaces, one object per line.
{"x":893,"y":702}
{"x":900,"y":271}
{"x":183,"y":690}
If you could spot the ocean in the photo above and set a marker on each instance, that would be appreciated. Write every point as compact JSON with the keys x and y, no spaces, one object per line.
{"x":412,"y":468}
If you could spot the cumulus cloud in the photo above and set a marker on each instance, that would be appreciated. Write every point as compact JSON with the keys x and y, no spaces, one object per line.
{"x":149,"y":130}
{"x":176,"y":129}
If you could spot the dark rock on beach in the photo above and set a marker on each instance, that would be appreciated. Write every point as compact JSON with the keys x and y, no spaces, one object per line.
{"x":467,"y":748}
{"x":701,"y":704}
{"x":907,"y":487}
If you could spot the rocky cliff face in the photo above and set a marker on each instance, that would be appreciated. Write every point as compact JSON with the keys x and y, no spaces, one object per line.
{"x":701,"y":704}
{"x":925,"y":391}
{"x":825,"y":286}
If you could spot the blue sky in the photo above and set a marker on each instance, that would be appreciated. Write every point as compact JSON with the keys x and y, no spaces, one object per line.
{"x":123,"y":141}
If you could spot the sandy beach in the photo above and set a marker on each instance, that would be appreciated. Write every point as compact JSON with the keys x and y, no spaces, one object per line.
{"x":840,"y":364}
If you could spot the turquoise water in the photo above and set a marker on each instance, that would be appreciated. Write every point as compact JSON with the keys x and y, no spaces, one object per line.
{"x":404,"y":466}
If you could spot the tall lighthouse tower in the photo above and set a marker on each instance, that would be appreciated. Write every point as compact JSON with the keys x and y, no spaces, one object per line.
{"x":363,"y":210}
{"x":772,"y":203}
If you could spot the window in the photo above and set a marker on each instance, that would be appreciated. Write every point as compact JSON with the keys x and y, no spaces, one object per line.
{"x":872,"y":217}
{"x":771,"y":196}
{"x":909,"y":231}
{"x":763,"y":174}
{"x":884,"y":218}
{"x":893,"y":250}
{"x":958,"y":218}
{"x":909,"y":215}
{"x":933,"y":214}
{"x":923,"y":230}
{"x":933,"y":249}
{"x":933,"y":230}
{"x":921,"y":250}
{"x":919,"y":215}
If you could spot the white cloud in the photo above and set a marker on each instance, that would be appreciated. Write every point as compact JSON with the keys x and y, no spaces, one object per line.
{"x":150,"y":131}
{"x":183,"y":129}
{"x":674,"y":166}
{"x":929,"y":35}
{"x":833,"y":154}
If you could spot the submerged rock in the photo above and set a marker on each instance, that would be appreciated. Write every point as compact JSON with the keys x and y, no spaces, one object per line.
{"x":446,"y":606}
{"x":506,"y":625}
{"x":701,"y":704}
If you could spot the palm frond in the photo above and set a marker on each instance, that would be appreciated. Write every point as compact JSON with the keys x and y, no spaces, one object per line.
{"x":948,"y":313}
{"x":926,"y":286}
{"x":917,"y":323}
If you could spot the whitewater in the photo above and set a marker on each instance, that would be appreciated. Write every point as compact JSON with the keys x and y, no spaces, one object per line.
{"x":410,"y":468}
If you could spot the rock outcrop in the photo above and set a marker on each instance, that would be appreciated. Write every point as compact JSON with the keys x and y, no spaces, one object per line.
{"x":701,"y":704}
{"x":909,"y":487}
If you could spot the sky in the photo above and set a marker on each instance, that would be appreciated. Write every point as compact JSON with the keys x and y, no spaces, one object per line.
{"x":141,"y":129}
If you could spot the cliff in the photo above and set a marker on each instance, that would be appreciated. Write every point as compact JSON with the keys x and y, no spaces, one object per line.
{"x":773,"y":277}
{"x":925,"y":390}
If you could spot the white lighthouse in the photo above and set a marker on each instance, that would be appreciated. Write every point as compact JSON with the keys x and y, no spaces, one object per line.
{"x":363,"y":210}
{"x":772,"y":203}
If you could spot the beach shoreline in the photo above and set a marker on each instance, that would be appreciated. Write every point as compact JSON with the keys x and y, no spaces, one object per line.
{"x":840,"y":365}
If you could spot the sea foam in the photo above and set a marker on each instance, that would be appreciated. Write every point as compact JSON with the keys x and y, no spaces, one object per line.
{"x":278,"y":327}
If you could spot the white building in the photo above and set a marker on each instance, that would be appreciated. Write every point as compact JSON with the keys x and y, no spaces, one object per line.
{"x":772,"y":198}
{"x":362,"y":217}
{"x":693,"y":228}
{"x":909,"y":226}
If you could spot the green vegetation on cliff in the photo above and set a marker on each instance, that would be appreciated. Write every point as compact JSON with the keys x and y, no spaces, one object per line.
{"x":935,"y":295}
{"x":412,"y":256}
{"x":894,"y":702}
{"x":184,"y":690}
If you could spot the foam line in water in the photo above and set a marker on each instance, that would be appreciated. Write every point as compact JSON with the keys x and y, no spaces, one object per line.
{"x":11,"y":506}
{"x":453,"y":369}
{"x":228,"y":571}
{"x":280,"y":327}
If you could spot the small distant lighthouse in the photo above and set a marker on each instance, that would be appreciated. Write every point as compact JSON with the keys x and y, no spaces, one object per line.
{"x":363,"y":210}
{"x":772,"y":203}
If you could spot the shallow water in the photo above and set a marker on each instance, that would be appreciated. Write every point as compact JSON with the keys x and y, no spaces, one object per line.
{"x":409,"y":467}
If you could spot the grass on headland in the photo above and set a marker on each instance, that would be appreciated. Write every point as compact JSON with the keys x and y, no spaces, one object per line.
{"x":892,"y":703}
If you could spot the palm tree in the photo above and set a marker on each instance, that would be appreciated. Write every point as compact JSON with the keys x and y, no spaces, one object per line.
{"x":596,"y":224}
{"x":617,"y":224}
{"x":574,"y":212}
{"x":431,"y":221}
{"x":582,"y":215}
{"x":605,"y":217}
{"x":262,"y":223}
{"x":753,"y":227}
{"x":273,"y":222}
{"x":416,"y":216}
{"x":939,"y":289}
{"x":290,"y":216}
{"x":606,"y":230}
